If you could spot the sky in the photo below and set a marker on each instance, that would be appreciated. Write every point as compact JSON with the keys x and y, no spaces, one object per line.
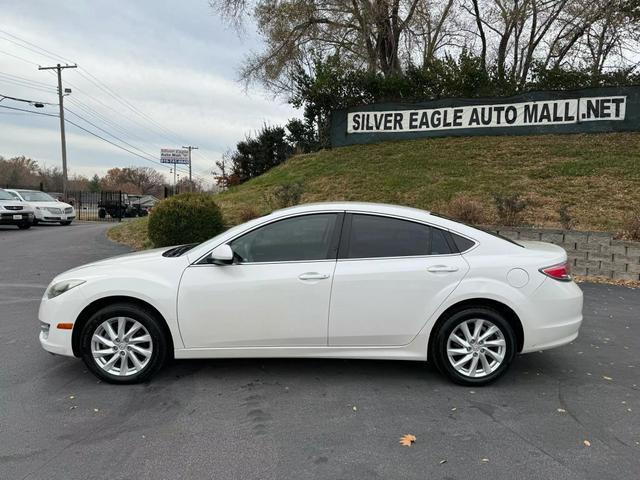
{"x":152,"y":73}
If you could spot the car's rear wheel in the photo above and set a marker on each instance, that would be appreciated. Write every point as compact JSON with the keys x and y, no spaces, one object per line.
{"x":474,"y":346}
{"x":123,"y":343}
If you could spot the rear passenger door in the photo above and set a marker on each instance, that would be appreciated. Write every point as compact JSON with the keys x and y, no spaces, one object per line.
{"x":391,"y":276}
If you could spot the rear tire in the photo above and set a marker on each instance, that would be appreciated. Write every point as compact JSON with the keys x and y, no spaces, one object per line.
{"x":471,"y":357}
{"x":129,"y":354}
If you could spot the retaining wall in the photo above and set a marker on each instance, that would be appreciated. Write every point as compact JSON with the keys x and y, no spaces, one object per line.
{"x":590,"y":253}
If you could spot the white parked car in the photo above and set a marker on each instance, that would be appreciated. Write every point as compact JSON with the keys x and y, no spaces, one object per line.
{"x":333,"y":280}
{"x":45,"y":207}
{"x":13,"y":212}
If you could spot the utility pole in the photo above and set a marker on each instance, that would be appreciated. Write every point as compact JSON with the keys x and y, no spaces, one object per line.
{"x":190,"y":148}
{"x":61,"y":94}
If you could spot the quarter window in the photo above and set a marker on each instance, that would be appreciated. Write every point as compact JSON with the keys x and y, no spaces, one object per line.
{"x":308,"y":237}
{"x":439,"y":245}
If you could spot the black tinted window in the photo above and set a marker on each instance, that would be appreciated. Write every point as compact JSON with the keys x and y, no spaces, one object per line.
{"x":462,"y":243}
{"x":373,"y":236}
{"x":307,"y":237}
{"x":439,"y":245}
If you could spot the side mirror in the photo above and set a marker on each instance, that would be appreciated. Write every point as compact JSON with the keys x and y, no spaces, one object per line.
{"x":221,"y":255}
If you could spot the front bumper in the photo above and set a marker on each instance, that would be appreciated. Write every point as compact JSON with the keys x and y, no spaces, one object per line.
{"x":7,"y":218}
{"x":557,"y":318}
{"x":52,"y":312}
{"x":46,"y":216}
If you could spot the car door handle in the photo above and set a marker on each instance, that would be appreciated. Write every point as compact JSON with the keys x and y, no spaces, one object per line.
{"x":442,"y":269}
{"x":313,"y":276}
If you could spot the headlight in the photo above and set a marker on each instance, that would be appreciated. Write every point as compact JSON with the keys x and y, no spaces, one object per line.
{"x":60,"y":287}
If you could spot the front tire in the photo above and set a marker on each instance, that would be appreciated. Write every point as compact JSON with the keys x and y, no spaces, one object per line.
{"x":65,"y":224}
{"x":474,"y":346}
{"x":123,"y":344}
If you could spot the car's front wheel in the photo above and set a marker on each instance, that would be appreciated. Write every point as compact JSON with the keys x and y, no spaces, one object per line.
{"x":123,"y":343}
{"x":66,"y":223}
{"x":474,"y":346}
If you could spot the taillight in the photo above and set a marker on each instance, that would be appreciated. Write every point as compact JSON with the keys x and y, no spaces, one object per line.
{"x":561,"y":271}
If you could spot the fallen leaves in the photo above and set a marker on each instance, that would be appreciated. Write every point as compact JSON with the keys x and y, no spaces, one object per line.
{"x":407,"y":440}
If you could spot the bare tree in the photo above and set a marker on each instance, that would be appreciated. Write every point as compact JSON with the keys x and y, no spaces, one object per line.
{"x":382,"y":36}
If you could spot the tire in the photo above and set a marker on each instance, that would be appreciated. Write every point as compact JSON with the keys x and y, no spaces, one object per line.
{"x":24,"y":226}
{"x":102,"y":213}
{"x":34,"y":223}
{"x":67,"y":223}
{"x":124,"y":351}
{"x":503,"y":345}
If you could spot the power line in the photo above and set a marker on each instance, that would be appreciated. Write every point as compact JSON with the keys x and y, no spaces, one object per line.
{"x":29,"y":111}
{"x":108,"y":133}
{"x":33,"y":102}
{"x":34,"y":45}
{"x":14,"y":83}
{"x":55,"y":59}
{"x":18,"y":78}
{"x":88,"y":76}
{"x":149,"y":156}
{"x":19,"y":58}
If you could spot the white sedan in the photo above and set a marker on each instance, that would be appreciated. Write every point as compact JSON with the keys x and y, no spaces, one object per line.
{"x":45,"y":207}
{"x":332,"y":280}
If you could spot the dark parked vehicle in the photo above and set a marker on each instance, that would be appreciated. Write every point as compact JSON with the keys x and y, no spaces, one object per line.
{"x":120,"y":205}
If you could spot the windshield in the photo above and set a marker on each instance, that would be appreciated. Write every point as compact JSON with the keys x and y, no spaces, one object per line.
{"x":33,"y":196}
{"x":5,"y":195}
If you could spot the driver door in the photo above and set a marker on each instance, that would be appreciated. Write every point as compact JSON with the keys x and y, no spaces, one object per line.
{"x":276,"y":293}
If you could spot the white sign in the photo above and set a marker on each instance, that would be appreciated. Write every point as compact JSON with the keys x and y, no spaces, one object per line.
{"x":546,"y":112}
{"x":174,"y":155}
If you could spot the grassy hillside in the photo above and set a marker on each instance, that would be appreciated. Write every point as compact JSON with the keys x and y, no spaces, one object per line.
{"x":597,"y":174}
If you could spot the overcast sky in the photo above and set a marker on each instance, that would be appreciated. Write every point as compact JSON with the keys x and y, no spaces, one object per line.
{"x":173,"y":61}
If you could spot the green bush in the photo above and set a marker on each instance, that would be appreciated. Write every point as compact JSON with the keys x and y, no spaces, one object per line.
{"x":185,"y":218}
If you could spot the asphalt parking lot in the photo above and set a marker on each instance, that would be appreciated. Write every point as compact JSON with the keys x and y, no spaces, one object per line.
{"x":569,"y":413}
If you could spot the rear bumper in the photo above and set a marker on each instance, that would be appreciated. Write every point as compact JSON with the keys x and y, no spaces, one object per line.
{"x":558,"y":316}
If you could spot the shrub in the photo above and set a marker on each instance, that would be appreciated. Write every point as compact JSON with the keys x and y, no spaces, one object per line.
{"x":247,"y":213}
{"x":285,"y":195}
{"x":566,"y":220}
{"x":509,"y":208}
{"x":632,"y":226}
{"x":467,"y":209}
{"x":185,"y":218}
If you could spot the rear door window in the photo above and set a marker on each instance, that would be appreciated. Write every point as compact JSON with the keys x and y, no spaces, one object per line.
{"x":374,"y":236}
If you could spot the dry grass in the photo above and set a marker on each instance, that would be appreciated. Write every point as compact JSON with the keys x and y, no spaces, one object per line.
{"x":131,"y":232}
{"x":597,"y":175}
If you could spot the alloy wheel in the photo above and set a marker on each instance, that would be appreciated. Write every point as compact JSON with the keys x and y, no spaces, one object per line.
{"x":121,"y":346}
{"x":476,"y":348}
